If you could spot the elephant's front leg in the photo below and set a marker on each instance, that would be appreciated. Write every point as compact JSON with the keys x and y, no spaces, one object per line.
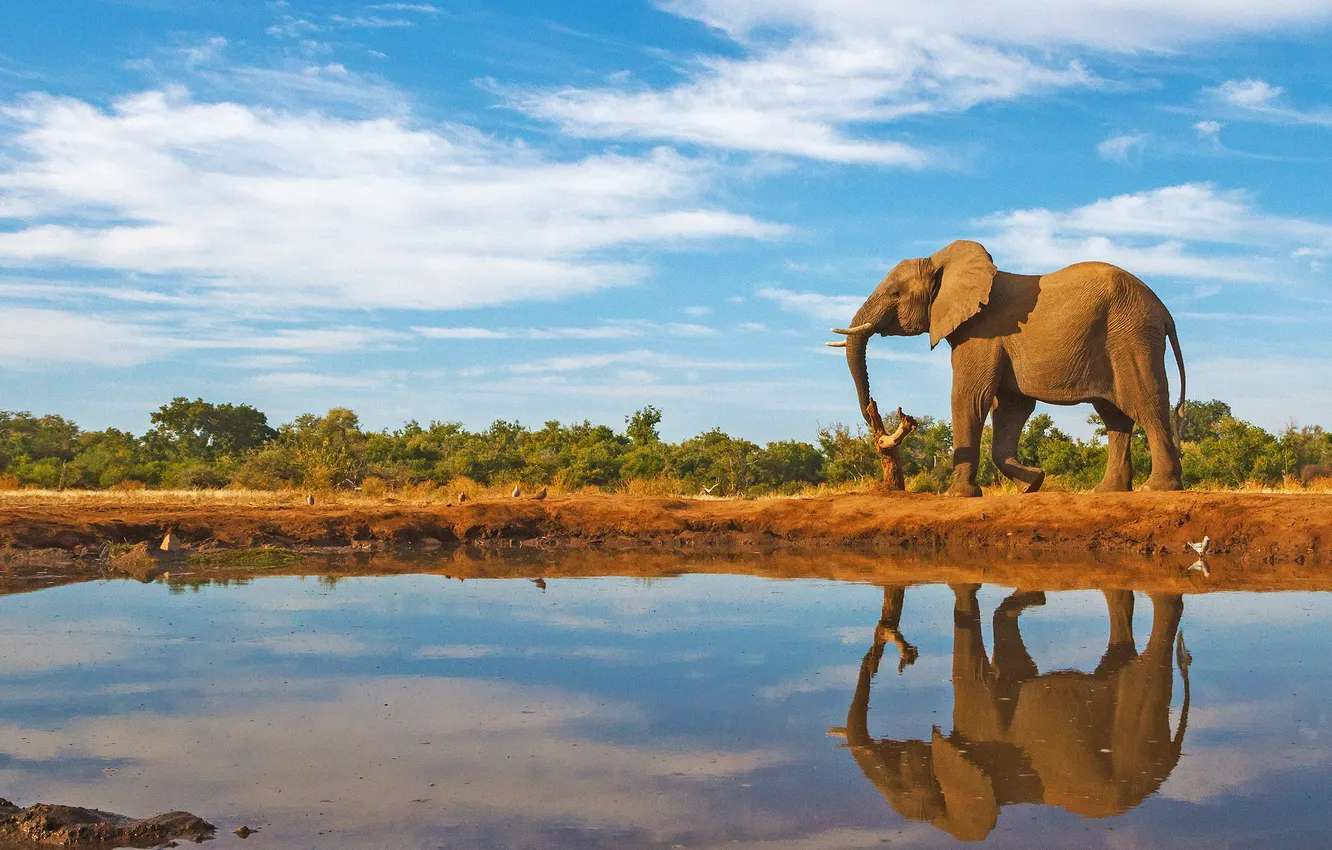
{"x":970,"y":406}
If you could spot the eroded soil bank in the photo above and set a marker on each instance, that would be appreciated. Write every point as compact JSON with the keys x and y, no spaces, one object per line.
{"x":1252,"y":527}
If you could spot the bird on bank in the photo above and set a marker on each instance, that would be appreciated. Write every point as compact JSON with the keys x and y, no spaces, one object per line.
{"x":516,"y":492}
{"x":1201,"y":547}
{"x":462,"y":497}
{"x":706,"y":491}
{"x":309,"y":498}
{"x":541,"y":495}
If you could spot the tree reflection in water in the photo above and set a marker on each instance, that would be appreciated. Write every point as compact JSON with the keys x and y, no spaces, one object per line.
{"x":1096,"y":744}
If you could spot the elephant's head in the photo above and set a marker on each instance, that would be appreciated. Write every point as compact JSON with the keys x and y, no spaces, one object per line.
{"x":936,"y":294}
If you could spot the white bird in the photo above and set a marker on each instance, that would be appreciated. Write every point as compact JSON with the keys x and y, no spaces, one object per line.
{"x":462,"y":497}
{"x":309,"y":498}
{"x":707,"y":491}
{"x":1201,"y":548}
{"x":1201,"y":564}
{"x":516,"y":492}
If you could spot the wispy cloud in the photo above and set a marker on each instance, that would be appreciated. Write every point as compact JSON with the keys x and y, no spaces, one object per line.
{"x":1194,"y":230}
{"x":1123,"y":149}
{"x":284,"y":208}
{"x":804,"y":99}
{"x":579,"y":362}
{"x":824,"y":79}
{"x":1260,"y":100}
{"x":32,"y":332}
{"x":832,"y":308}
{"x":373,"y":22}
{"x":614,"y":330}
{"x":1133,"y":25}
{"x":423,"y":8}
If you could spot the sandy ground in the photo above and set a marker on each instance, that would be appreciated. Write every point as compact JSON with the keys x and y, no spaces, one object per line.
{"x":1254,"y":528}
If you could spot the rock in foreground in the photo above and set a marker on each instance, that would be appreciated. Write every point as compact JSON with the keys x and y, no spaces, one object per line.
{"x":48,"y":825}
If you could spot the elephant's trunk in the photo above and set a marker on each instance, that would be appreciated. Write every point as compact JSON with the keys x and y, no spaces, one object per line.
{"x":855,"y":358}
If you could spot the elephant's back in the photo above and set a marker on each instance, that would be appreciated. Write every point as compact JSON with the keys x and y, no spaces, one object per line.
{"x":1104,"y":281}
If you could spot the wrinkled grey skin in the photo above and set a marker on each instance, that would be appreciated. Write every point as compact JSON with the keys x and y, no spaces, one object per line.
{"x":1089,"y":333}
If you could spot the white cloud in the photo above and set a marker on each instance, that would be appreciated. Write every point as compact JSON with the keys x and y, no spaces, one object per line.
{"x":283,"y":208}
{"x":1128,"y":25}
{"x":1258,"y":99}
{"x":292,"y":27}
{"x":800,"y":99}
{"x":1249,"y":93}
{"x":30,"y":332}
{"x":815,"y":77}
{"x":1194,"y":230}
{"x":373,"y":22}
{"x":56,"y":336}
{"x":833,"y":308}
{"x":461,"y":333}
{"x":579,"y":362}
{"x":423,"y":8}
{"x":1123,"y":148}
{"x":1209,"y":129}
{"x":314,"y":380}
{"x":624,"y":329}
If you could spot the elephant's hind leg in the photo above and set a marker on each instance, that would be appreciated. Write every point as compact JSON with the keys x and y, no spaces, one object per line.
{"x":1118,"y":462}
{"x":1010,"y":415}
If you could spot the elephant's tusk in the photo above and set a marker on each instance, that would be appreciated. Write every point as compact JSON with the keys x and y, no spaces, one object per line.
{"x":858,"y":329}
{"x":841,"y":343}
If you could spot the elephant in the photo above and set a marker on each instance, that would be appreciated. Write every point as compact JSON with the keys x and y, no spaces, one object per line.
{"x":1091,"y":332}
{"x":1095,"y":744}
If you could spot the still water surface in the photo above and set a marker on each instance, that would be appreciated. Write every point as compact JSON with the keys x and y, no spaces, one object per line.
{"x":697,"y":712}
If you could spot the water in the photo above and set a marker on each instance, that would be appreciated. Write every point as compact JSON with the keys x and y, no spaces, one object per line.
{"x":700,"y":711}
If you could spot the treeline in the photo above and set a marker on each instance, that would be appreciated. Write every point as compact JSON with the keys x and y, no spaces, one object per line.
{"x":197,"y":445}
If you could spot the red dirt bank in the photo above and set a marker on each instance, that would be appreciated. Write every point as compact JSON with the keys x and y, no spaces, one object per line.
{"x":1264,"y":528}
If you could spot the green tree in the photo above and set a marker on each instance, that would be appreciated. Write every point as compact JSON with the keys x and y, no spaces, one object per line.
{"x":329,"y":450}
{"x":200,"y":429}
{"x":37,"y":448}
{"x":1202,"y":419}
{"x":787,"y":465}
{"x":848,"y":455}
{"x":642,"y":426}
{"x":1239,"y":452}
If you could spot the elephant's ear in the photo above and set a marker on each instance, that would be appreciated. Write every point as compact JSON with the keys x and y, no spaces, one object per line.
{"x":966,"y":274}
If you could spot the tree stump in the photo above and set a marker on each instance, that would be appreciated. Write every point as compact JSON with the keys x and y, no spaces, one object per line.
{"x":889,"y":445}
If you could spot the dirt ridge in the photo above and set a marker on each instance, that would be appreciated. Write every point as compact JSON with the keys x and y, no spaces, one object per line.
{"x":1278,"y":528}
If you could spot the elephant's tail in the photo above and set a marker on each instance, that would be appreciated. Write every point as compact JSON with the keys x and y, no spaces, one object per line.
{"x":1179,"y":361}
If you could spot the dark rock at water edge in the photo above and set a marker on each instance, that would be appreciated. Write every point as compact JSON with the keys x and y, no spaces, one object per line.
{"x":49,"y":825}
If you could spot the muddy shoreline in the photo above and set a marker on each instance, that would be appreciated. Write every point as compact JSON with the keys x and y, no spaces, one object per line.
{"x":1270,"y":528}
{"x":1247,"y":528}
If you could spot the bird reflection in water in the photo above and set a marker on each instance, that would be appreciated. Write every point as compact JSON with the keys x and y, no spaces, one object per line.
{"x":1096,"y":744}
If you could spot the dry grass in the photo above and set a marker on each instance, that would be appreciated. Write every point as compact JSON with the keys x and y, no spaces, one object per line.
{"x":376,"y":493}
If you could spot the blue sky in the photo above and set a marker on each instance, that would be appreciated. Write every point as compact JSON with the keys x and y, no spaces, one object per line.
{"x":469,"y":211}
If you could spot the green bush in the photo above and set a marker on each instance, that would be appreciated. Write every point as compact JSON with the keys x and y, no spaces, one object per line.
{"x":197,"y":444}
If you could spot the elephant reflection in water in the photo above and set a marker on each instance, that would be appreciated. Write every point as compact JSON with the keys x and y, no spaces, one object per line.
{"x":1096,"y":744}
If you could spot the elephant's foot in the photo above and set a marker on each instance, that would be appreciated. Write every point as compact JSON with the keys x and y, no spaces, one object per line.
{"x":1033,"y":482}
{"x":963,"y":489}
{"x":1112,"y":485}
{"x":1164,"y":482}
